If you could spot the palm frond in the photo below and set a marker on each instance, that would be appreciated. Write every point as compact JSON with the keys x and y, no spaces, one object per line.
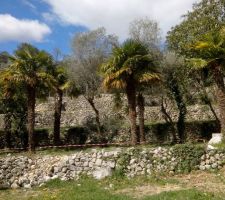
{"x":198,"y":63}
{"x":149,"y":77}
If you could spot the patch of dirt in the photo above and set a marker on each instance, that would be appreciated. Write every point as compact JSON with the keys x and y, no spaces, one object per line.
{"x":148,"y":190}
{"x":205,"y":181}
{"x":200,"y":180}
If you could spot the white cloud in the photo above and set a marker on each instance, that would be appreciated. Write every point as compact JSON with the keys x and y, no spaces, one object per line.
{"x":22,"y":30}
{"x":115,"y":15}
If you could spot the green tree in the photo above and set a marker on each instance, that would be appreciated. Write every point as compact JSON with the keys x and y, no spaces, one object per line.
{"x":62,"y":83}
{"x":206,"y":16}
{"x":176,"y":81}
{"x":147,"y":32}
{"x":90,"y":50}
{"x":129,"y":66}
{"x":28,"y":67}
{"x":13,"y":106}
{"x":201,"y":37}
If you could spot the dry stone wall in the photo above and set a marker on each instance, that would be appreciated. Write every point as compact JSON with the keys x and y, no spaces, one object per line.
{"x":77,"y":111}
{"x":22,"y":171}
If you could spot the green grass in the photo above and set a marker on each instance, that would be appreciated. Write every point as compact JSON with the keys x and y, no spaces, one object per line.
{"x":191,"y":194}
{"x":89,"y":189}
{"x":86,"y":189}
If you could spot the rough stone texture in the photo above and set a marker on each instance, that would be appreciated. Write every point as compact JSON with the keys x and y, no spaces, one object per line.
{"x":77,"y":111}
{"x":102,"y":173}
{"x":216,"y":139}
{"x":22,"y":171}
{"x":212,"y":160}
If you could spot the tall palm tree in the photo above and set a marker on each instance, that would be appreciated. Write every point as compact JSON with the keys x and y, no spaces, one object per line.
{"x":209,"y":52}
{"x":129,"y":66}
{"x":28,"y":66}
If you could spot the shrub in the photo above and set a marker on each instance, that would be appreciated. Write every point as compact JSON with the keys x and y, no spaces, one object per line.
{"x":188,"y":156}
{"x":42,"y":137}
{"x":75,"y":135}
{"x":161,"y":132}
{"x":111,"y":126}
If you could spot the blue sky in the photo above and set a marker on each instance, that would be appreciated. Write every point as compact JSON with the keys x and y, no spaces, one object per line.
{"x":50,"y":24}
{"x":60,"y":35}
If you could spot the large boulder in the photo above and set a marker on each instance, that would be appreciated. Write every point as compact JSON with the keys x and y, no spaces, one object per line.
{"x":216,"y":139}
{"x":102,"y":173}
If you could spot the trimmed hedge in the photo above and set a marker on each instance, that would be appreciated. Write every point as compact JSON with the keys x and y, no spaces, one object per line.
{"x":155,"y":133}
{"x":194,"y":130}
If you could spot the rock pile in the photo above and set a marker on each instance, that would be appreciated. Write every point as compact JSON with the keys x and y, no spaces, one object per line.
{"x":212,"y":160}
{"x":27,"y":172}
{"x":22,"y":171}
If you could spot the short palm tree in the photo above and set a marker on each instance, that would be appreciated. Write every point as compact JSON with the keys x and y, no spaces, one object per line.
{"x":209,"y":52}
{"x":129,"y":66}
{"x":62,"y":83}
{"x":28,"y":67}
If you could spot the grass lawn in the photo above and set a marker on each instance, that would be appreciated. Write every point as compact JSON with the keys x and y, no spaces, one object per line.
{"x":115,"y":188}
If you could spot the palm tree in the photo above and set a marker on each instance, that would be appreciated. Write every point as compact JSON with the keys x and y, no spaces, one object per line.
{"x":129,"y":66}
{"x":209,"y":52}
{"x":28,"y":66}
{"x":61,"y":84}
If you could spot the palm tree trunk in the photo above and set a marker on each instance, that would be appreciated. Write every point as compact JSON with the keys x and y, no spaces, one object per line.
{"x":141,"y":110}
{"x":7,"y":129}
{"x":131,"y":97}
{"x":97,"y":117}
{"x":57,"y":116}
{"x":218,"y":76}
{"x":31,"y":117}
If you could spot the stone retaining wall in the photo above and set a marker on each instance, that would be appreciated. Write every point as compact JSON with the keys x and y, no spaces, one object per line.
{"x":22,"y":171}
{"x":77,"y":111}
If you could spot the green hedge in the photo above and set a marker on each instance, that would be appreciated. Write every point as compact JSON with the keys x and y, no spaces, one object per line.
{"x":194,"y":130}
{"x":155,"y":133}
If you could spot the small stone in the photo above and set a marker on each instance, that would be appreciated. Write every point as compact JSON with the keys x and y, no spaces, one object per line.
{"x":207,"y":162}
{"x":171,"y":173}
{"x":214,"y":165}
{"x":15,"y":186}
{"x":203,"y":163}
{"x":202,"y":167}
{"x":217,"y":156}
{"x":27,"y":186}
{"x":203,"y":157}
{"x":207,"y":167}
{"x":132,"y":161}
{"x":219,"y":162}
{"x":71,"y":162}
{"x":64,"y":169}
{"x":98,"y":162}
{"x":42,"y":184}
